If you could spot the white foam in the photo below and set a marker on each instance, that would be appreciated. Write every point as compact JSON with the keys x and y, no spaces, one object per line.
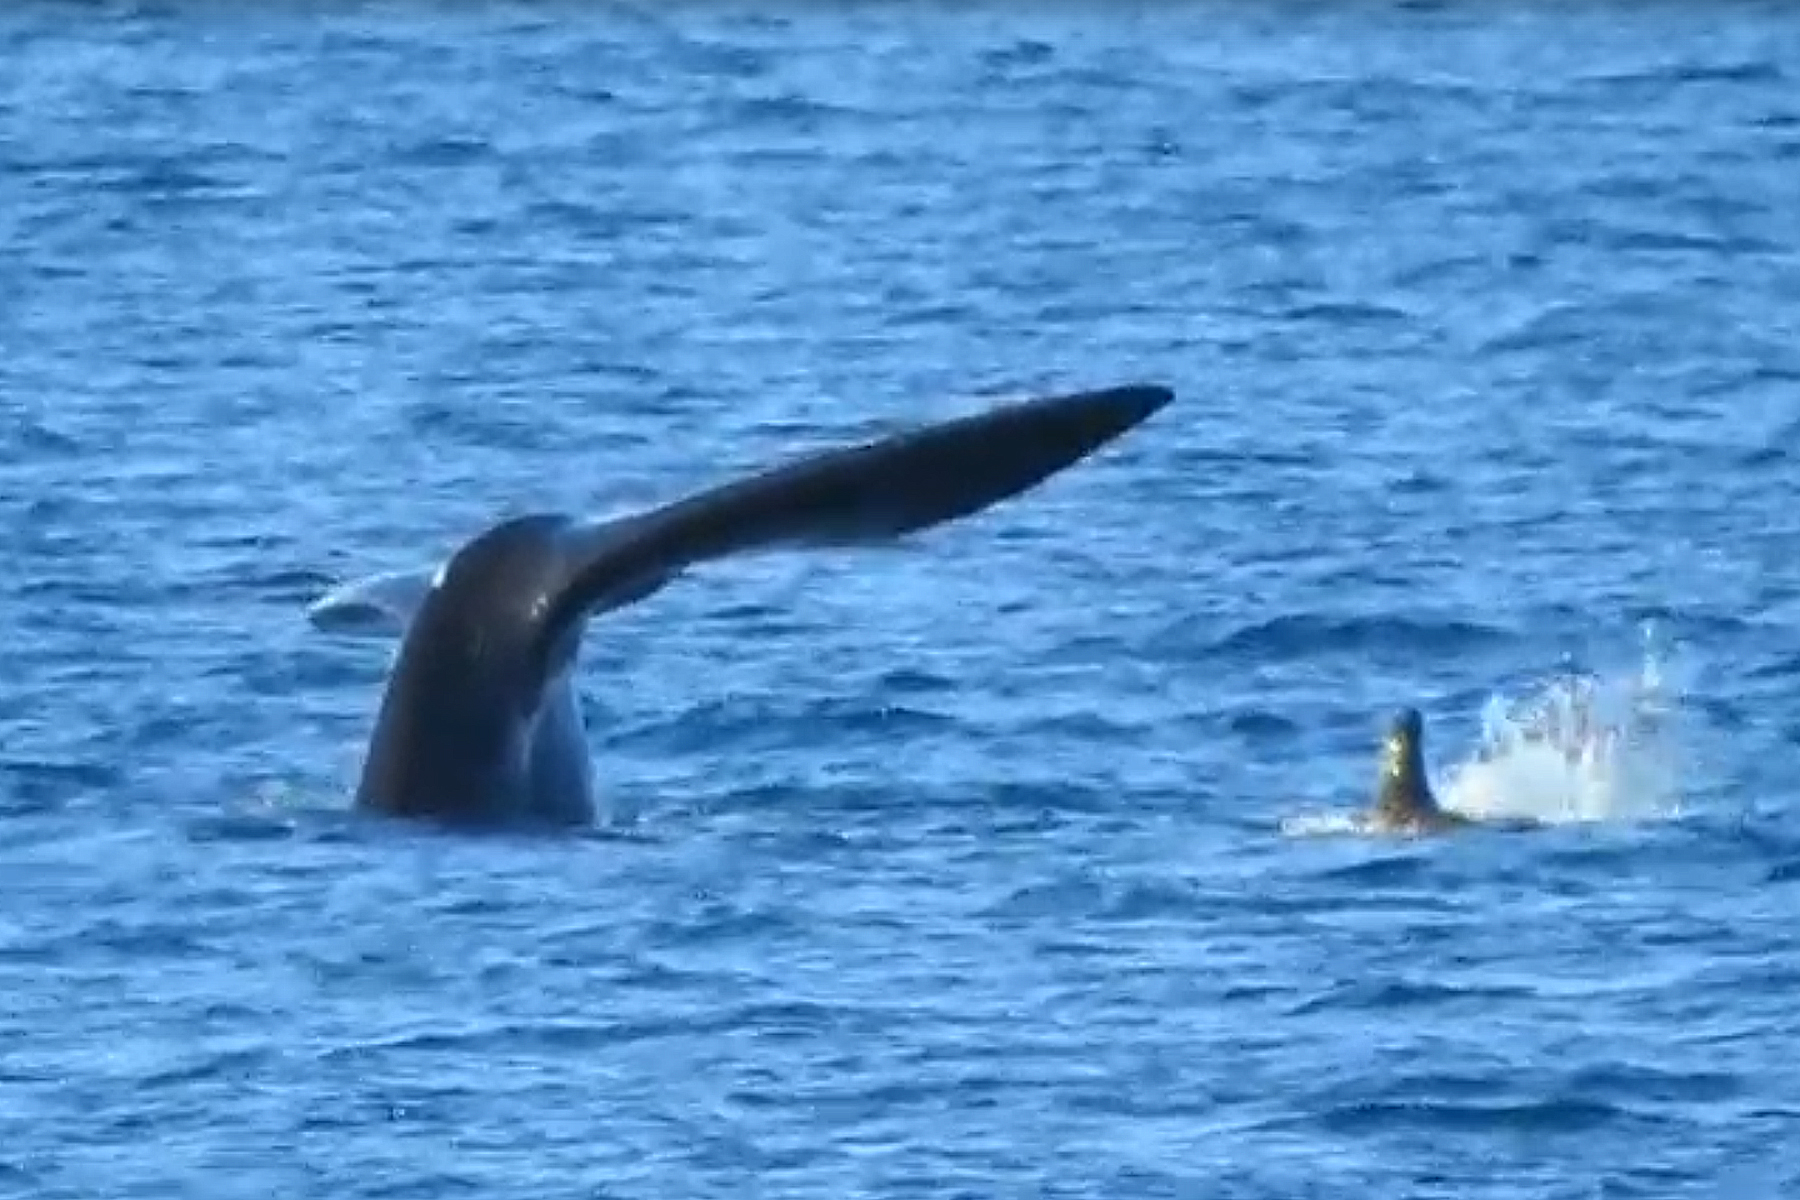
{"x":1580,"y":747}
{"x":1322,"y":824}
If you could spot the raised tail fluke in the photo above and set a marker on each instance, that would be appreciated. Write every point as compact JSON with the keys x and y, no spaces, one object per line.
{"x":860,"y":495}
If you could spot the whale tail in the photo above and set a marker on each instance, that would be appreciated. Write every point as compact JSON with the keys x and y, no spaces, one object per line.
{"x":479,"y":722}
{"x":860,"y":496}
{"x":865,"y":495}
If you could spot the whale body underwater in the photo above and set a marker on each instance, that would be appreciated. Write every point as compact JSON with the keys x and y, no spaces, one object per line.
{"x":479,"y":723}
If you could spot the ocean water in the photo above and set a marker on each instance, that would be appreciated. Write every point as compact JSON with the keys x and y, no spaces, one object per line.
{"x":1015,"y":864}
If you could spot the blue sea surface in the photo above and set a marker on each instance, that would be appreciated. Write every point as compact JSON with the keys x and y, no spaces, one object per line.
{"x":976,"y":869}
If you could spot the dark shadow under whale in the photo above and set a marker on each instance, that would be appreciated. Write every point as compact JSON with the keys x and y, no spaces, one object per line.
{"x":479,"y":723}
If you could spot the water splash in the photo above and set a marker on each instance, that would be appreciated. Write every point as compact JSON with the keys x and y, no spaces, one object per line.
{"x":1579,"y":746}
{"x":1582,"y":746}
{"x":1323,"y":824}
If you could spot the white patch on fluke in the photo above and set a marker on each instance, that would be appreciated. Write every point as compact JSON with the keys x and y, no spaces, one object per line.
{"x":382,"y":604}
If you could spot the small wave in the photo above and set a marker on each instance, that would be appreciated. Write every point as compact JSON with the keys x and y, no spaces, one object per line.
{"x":1301,"y":636}
{"x":1025,"y":52}
{"x":1534,"y":1116}
{"x":1153,"y":899}
{"x":443,"y":151}
{"x":32,"y":785}
{"x":1625,"y":1082}
{"x":240,"y":827}
{"x":1055,"y":898}
{"x":1675,"y":73}
{"x":789,"y":110}
{"x":1346,"y":312}
{"x":1386,"y":871}
{"x":1261,"y":725}
{"x":1385,"y":996}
